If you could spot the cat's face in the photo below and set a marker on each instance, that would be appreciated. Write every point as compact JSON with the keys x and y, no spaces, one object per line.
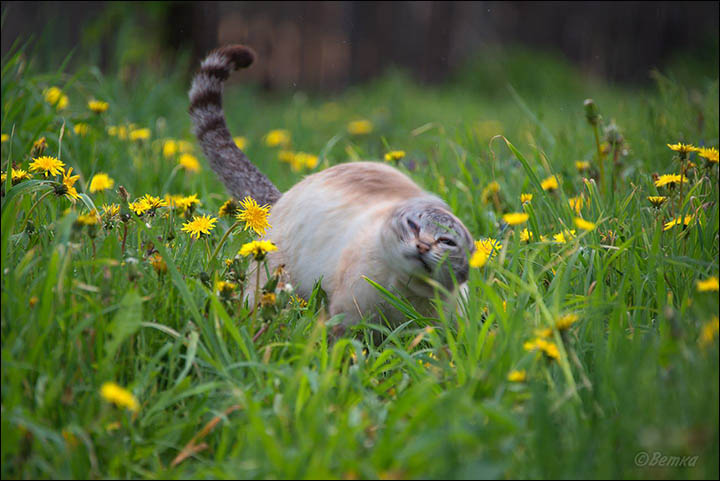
{"x":431,"y":242}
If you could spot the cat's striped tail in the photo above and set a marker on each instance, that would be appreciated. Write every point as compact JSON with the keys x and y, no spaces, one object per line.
{"x":230,"y":163}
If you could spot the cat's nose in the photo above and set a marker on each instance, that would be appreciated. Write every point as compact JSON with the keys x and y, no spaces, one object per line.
{"x":422,"y":247}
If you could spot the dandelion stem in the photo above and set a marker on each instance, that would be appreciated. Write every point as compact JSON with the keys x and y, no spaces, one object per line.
{"x":599,"y":156}
{"x":27,"y":218}
{"x":257,"y":297}
{"x":222,"y":241}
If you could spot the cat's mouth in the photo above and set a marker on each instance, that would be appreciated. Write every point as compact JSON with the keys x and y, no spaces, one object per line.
{"x":419,"y":257}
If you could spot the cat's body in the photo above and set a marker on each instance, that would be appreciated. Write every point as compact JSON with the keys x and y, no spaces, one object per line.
{"x":340,"y":225}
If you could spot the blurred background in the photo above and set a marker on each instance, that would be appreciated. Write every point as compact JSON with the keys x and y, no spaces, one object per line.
{"x":327,"y":46}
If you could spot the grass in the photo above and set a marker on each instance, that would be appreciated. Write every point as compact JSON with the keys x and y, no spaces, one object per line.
{"x":82,"y":305}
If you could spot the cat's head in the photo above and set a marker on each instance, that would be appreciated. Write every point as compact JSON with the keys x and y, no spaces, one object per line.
{"x":425,"y":239}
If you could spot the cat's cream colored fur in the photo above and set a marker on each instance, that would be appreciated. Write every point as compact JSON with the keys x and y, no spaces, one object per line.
{"x":342,"y":225}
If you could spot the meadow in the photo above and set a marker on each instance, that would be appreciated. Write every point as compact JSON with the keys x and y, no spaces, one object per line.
{"x":587,"y":347}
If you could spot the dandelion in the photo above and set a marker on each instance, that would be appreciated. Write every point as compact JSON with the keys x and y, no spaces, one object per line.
{"x":682,"y":149}
{"x":490,"y":246}
{"x":582,"y":165}
{"x":154,"y":202}
{"x":709,"y":332}
{"x":119,"y":131}
{"x":564,"y":236}
{"x":677,"y":221}
{"x":185,"y":203}
{"x":708,"y":285}
{"x":656,"y":200}
{"x":394,"y":155}
{"x":38,"y":147}
{"x":225,"y":288}
{"x":98,"y":106}
{"x":158,"y":263}
{"x":287,"y":156}
{"x":549,"y":184}
{"x":139,"y":134}
{"x":517,"y":376}
{"x":515,"y":218}
{"x":491,"y":189}
{"x":184,"y":146}
{"x":4,"y":138}
{"x":360,"y":127}
{"x":254,"y":216}
{"x":169,"y":148}
{"x":100,"y":182}
{"x":710,"y":154}
{"x":257,"y":249}
{"x":576,"y":203}
{"x":199,"y":226}
{"x":189,"y":162}
{"x":304,"y":159}
{"x":55,"y":97}
{"x":277,"y":137}
{"x":542,"y":345}
{"x":564,"y":322}
{"x":670,"y":180}
{"x":88,"y":219}
{"x":119,"y":395}
{"x":228,"y":209}
{"x":16,"y":176}
{"x":110,"y":210}
{"x":268,"y":299}
{"x":240,"y":142}
{"x":525,"y":235}
{"x":583,"y":224}
{"x":140,"y":206}
{"x":526,"y":198}
{"x":81,"y":129}
{"x":544,"y":332}
{"x":69,"y":181}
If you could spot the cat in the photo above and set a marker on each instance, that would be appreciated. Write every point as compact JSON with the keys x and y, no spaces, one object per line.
{"x":341,"y":225}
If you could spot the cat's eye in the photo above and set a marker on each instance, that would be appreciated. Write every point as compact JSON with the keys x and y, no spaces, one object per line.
{"x":413,"y":226}
{"x":447,"y":241}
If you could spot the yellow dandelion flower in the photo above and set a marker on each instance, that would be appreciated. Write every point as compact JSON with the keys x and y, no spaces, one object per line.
{"x":682,"y":148}
{"x":98,"y":106}
{"x":187,"y":202}
{"x":564,"y":236}
{"x":576,"y":203}
{"x":544,"y":332}
{"x":478,"y":259}
{"x":69,"y":181}
{"x":225,"y":286}
{"x":360,"y":127}
{"x":55,"y":97}
{"x":140,"y":134}
{"x":277,"y":137}
{"x":110,"y":210}
{"x":515,"y":218}
{"x":119,"y":395}
{"x":709,"y":332}
{"x":268,"y":299}
{"x":525,"y":235}
{"x":189,"y":162}
{"x":100,"y":182}
{"x":158,"y":263}
{"x":526,"y":198}
{"x":199,"y":226}
{"x":240,"y":142}
{"x":549,"y":184}
{"x":309,"y":161}
{"x":4,"y":138}
{"x":670,"y":180}
{"x":254,"y":216}
{"x":91,"y":218}
{"x":119,"y":131}
{"x":490,"y":246}
{"x":170,"y":148}
{"x":583,"y":224}
{"x":708,"y":285}
{"x":16,"y":176}
{"x":81,"y":129}
{"x":678,"y":221}
{"x":657,"y":200}
{"x":154,"y":202}
{"x":517,"y":376}
{"x":140,"y":206}
{"x":543,"y":345}
{"x":564,"y":322}
{"x":49,"y":165}
{"x":184,"y":146}
{"x":228,"y":209}
{"x":257,"y":248}
{"x":710,"y":154}
{"x":394,"y":155}
{"x":582,"y":165}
